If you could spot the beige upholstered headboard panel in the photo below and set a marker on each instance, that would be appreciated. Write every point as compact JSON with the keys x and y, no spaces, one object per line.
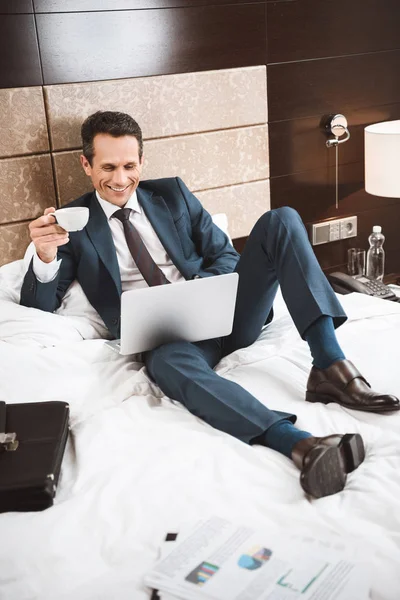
{"x":210,"y":128}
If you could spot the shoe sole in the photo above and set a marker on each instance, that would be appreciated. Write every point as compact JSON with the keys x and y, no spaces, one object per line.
{"x":327,"y":473}
{"x":326,"y":399}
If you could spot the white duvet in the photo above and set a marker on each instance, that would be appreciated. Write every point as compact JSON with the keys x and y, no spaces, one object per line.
{"x":138,"y":465}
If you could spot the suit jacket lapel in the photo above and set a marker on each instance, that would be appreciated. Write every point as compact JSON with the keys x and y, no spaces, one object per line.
{"x":163,"y":224}
{"x":100,"y":235}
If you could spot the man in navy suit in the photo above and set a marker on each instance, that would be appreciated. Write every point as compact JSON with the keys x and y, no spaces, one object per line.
{"x":183,"y":243}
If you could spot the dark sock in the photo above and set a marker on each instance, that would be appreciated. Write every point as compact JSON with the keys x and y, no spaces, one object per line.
{"x":282,"y":436}
{"x":323,"y":344}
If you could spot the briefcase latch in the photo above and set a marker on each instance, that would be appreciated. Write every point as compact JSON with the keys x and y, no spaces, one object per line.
{"x":8,"y":441}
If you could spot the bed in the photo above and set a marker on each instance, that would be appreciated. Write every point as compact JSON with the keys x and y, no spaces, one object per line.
{"x":137,"y":464}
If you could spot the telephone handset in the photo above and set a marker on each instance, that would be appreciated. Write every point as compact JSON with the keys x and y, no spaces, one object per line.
{"x":344,"y":284}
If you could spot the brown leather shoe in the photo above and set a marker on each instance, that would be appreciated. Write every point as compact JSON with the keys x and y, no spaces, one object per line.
{"x":343,"y":383}
{"x":324,"y":462}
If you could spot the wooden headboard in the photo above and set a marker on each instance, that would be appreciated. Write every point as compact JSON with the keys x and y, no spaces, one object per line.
{"x":210,"y":128}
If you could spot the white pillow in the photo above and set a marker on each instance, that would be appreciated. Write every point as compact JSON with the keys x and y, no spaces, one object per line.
{"x":11,"y":277}
{"x":74,"y":304}
{"x":221,"y":220}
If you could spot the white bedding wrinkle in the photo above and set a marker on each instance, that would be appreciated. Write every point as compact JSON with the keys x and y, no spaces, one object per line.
{"x":138,"y":465}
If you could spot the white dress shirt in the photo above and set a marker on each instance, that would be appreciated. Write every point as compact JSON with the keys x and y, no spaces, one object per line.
{"x":131,"y":278}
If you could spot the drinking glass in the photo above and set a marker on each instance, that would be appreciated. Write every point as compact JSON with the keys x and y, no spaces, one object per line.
{"x":356,"y":262}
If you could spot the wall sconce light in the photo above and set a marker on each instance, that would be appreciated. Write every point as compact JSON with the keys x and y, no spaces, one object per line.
{"x":336,"y":125}
{"x":382,"y":159}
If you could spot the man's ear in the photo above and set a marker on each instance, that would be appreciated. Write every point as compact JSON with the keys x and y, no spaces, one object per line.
{"x":86,"y":165}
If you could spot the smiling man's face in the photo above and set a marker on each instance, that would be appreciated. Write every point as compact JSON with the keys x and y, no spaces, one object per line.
{"x":116,"y":167}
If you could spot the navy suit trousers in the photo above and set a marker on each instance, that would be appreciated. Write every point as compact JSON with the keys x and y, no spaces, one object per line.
{"x":277,"y":252}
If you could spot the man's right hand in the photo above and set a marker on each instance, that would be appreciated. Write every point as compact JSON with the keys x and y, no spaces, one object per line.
{"x":47,"y":236}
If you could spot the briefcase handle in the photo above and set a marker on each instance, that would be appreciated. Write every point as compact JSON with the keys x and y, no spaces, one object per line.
{"x":8,"y":441}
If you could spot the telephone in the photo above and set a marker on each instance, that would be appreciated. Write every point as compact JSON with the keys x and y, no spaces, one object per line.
{"x":344,"y":284}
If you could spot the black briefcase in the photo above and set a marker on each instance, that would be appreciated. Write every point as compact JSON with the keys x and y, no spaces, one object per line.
{"x":32,"y":444}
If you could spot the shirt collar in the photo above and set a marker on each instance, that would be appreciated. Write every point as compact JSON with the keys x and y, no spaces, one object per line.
{"x":110,"y":208}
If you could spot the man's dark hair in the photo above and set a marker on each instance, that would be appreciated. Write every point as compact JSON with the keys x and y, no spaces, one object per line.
{"x":113,"y":123}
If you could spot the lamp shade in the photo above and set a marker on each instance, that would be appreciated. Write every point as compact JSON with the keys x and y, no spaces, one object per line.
{"x":382,"y":159}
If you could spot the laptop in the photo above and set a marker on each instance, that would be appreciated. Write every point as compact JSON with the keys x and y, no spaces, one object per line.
{"x":189,"y":311}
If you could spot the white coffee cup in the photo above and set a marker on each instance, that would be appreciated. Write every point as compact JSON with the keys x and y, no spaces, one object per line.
{"x":72,"y":219}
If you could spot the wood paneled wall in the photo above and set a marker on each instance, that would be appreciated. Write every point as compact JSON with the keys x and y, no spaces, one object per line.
{"x":321,"y":57}
{"x":329,"y":57}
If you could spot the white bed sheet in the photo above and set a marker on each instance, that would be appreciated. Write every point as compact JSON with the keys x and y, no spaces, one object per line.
{"x":138,"y":465}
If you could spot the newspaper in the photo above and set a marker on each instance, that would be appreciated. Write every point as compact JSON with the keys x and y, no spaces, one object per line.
{"x":221,"y":560}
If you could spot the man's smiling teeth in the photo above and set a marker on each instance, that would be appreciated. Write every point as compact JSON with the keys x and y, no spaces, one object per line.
{"x":118,"y":189}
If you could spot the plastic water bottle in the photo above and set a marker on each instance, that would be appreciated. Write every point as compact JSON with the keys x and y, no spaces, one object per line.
{"x":376,"y":254}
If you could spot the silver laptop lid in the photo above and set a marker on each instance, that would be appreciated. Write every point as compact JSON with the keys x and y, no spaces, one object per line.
{"x":191,"y":311}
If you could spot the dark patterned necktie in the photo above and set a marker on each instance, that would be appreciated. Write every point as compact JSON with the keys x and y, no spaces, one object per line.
{"x":146,"y":265}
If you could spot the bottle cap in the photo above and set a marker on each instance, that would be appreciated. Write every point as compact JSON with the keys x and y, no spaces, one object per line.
{"x":377,"y":229}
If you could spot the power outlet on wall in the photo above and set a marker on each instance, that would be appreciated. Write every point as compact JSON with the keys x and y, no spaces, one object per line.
{"x":333,"y":230}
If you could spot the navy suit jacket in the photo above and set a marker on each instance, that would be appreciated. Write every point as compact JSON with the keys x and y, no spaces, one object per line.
{"x":194,"y":244}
